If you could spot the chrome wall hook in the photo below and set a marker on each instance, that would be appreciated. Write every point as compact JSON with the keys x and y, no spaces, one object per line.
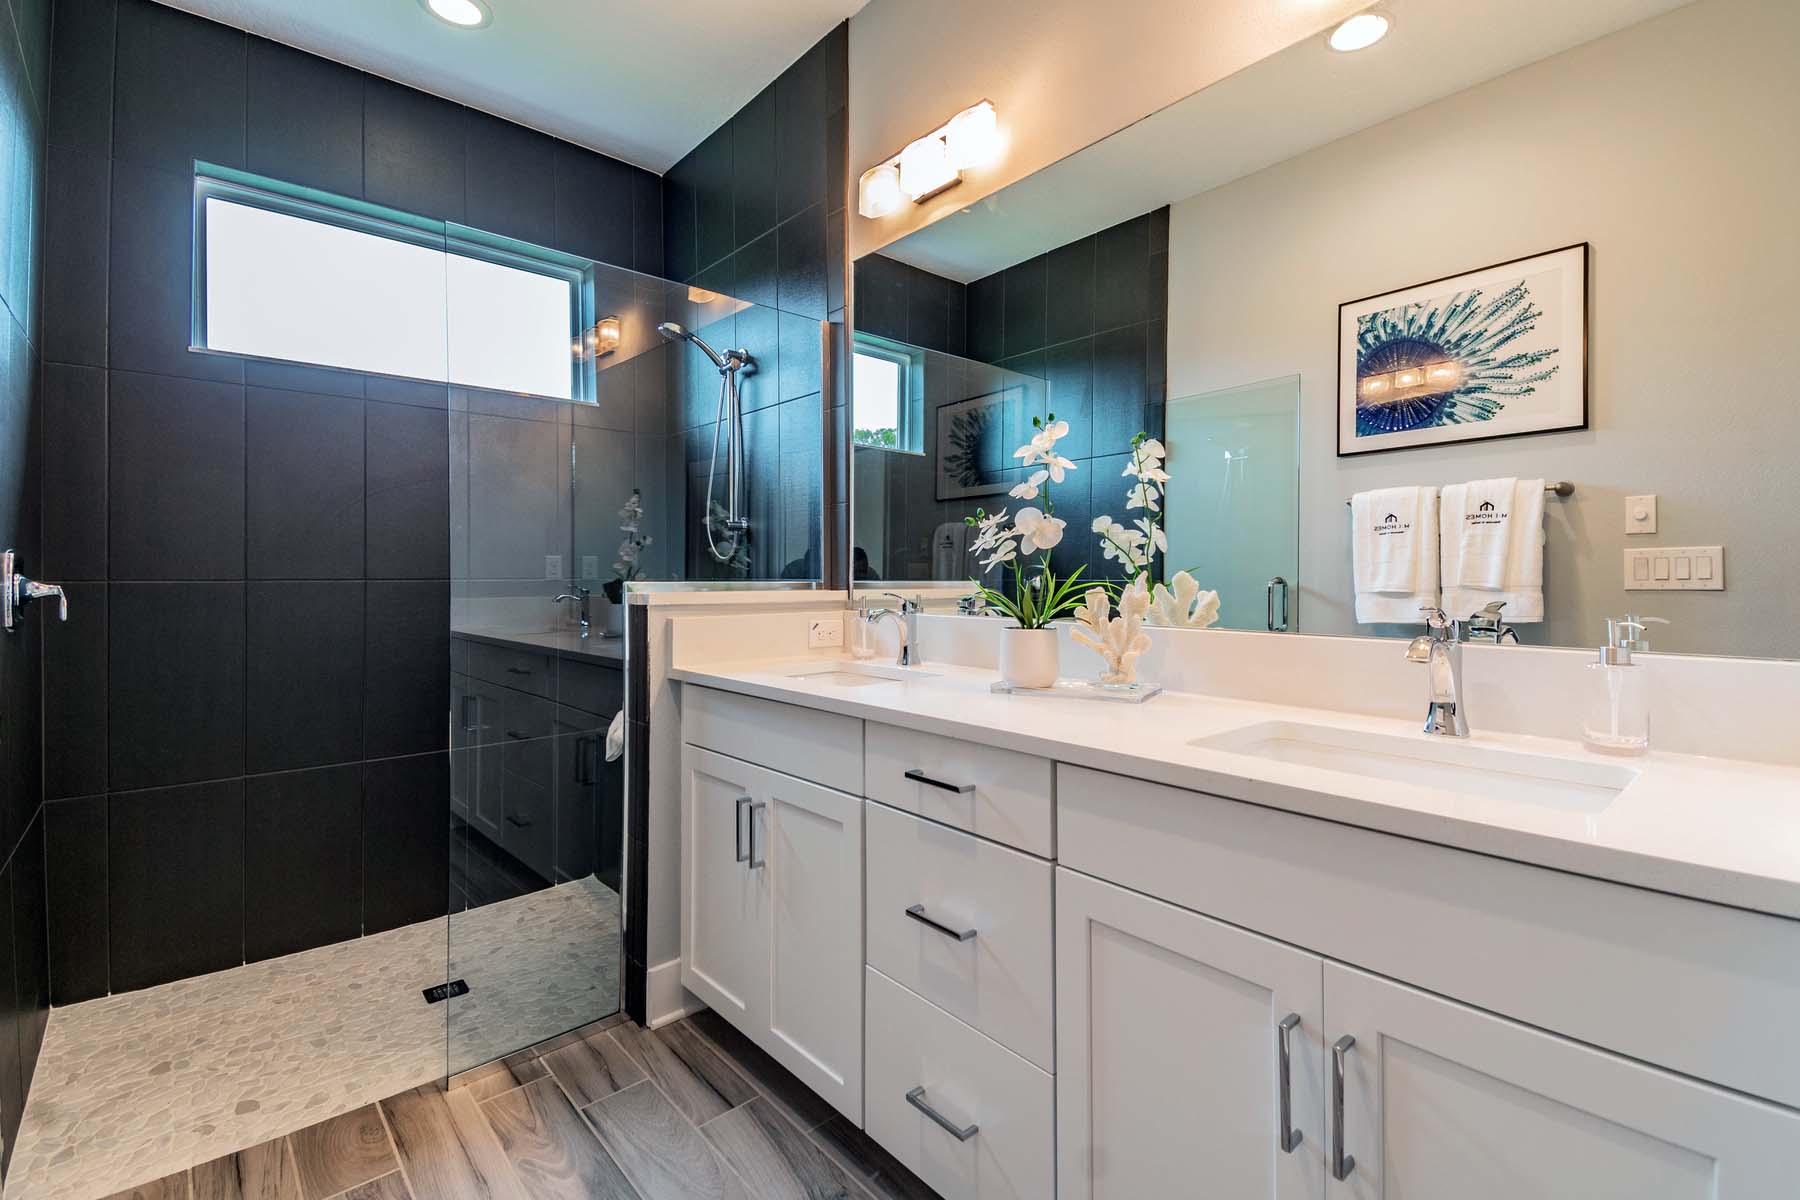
{"x":18,"y":592}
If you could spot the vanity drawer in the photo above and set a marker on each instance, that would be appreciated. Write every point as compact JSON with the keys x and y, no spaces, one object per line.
{"x":999,"y":794}
{"x":1000,"y":979}
{"x":808,"y":744}
{"x":526,"y":670}
{"x":969,"y":1080}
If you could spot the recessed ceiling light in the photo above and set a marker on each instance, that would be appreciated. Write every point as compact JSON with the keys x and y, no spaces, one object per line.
{"x":1359,"y":32}
{"x":464,"y":14}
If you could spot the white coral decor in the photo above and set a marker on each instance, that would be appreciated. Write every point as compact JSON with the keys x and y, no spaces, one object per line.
{"x":1119,"y":640}
{"x":1182,"y":604}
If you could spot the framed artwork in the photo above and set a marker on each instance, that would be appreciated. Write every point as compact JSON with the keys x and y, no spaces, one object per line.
{"x":1492,"y":353}
{"x":973,"y":458}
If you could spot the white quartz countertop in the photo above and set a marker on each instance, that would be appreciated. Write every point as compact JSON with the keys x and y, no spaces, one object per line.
{"x":567,"y":642}
{"x":1709,"y":828}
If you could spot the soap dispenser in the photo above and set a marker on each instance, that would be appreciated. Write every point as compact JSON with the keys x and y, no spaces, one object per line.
{"x":1616,"y":710}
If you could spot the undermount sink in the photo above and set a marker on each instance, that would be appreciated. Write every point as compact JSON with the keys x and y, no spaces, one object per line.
{"x":860,"y":674}
{"x":1489,"y":772}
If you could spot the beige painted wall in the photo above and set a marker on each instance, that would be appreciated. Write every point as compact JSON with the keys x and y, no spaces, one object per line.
{"x":1671,"y":148}
{"x":1062,"y":73}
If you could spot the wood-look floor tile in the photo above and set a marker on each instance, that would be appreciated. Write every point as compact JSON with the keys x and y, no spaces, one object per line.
{"x":577,"y":1034}
{"x":447,"y":1147}
{"x":662,"y":1152}
{"x":886,"y":1177}
{"x":593,"y":1068}
{"x":776,"y":1160}
{"x":338,"y":1154}
{"x":264,"y":1172}
{"x":515,"y":1070}
{"x":691,"y":1070}
{"x":556,"y":1155}
{"x":391,"y":1186}
{"x":799,"y":1103}
{"x":172,"y":1187}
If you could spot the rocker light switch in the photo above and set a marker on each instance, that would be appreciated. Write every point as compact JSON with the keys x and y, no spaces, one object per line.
{"x":1675,"y":569}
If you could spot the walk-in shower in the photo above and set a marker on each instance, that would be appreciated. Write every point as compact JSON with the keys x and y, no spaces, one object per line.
{"x":733,"y":522}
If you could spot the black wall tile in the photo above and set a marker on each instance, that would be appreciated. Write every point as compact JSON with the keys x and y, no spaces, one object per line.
{"x":176,"y":492}
{"x":304,"y":671}
{"x":987,"y":318}
{"x":1120,"y":361}
{"x":1069,"y":372}
{"x":30,"y":944}
{"x":882,"y":298}
{"x":12,"y":1084}
{"x":175,"y":667}
{"x":802,"y":356}
{"x":302,"y":860}
{"x":1069,"y":310}
{"x":77,"y":215}
{"x":81,"y":57}
{"x":681,"y":257}
{"x":646,"y":220}
{"x":413,"y":150}
{"x":408,"y":480}
{"x":714,"y":220}
{"x":756,"y":270}
{"x":406,"y":840}
{"x":293,"y":377}
{"x":511,"y":180}
{"x":1122,"y":274}
{"x":1027,"y":295}
{"x":75,"y":845}
{"x":755,"y":170}
{"x":594,"y":205}
{"x":149,"y":291}
{"x":801,"y":102}
{"x":74,"y":473}
{"x":305,"y":121}
{"x":180,"y":89}
{"x":801,"y":251}
{"x":176,"y":871}
{"x":303,"y":483}
{"x":75,"y":701}
{"x":406,"y":665}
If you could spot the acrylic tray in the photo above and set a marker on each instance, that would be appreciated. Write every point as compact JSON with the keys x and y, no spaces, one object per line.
{"x":1084,"y":689}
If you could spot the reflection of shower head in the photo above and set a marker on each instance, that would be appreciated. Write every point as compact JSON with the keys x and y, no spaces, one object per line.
{"x":680,"y":333}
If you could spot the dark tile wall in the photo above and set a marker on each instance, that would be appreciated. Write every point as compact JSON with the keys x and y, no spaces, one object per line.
{"x":1090,"y":319}
{"x":244,"y":753}
{"x":756,"y":211}
{"x":24,"y":996}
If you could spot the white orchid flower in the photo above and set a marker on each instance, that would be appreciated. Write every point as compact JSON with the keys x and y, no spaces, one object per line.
{"x":1029,"y":489}
{"x":1041,"y":448}
{"x":1151,"y":448}
{"x":1120,"y":542}
{"x":1036,"y":530}
{"x":1153,"y":532}
{"x":988,"y":532}
{"x":1005,"y":552}
{"x":1056,"y":465}
{"x":1143,"y":495}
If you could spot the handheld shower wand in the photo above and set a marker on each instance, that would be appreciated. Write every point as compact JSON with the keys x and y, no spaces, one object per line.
{"x":730,"y":418}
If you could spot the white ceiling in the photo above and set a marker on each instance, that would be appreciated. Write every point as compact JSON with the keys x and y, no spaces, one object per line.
{"x":1285,"y":105}
{"x":642,"y":81}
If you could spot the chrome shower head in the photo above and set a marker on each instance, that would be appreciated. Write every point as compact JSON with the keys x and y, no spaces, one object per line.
{"x":680,"y":333}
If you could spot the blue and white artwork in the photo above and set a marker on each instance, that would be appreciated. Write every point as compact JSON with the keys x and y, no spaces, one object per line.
{"x":974,"y":454}
{"x":1490,"y":353}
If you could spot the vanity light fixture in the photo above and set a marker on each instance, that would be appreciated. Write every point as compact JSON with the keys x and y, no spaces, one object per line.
{"x":932,"y":163}
{"x":1359,"y":32}
{"x":464,"y":14}
{"x":599,"y":340}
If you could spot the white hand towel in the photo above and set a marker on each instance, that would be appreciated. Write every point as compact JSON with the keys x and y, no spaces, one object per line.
{"x":1522,"y":577}
{"x":1484,"y":528}
{"x":1409,"y":570}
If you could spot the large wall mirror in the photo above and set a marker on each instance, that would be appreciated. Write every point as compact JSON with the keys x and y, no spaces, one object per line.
{"x":1535,"y":241}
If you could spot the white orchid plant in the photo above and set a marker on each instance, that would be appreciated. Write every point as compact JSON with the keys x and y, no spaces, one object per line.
{"x":1035,"y":596}
{"x":1135,"y":546}
{"x":629,"y":564}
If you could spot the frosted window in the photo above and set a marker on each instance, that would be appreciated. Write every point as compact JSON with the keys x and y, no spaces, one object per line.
{"x":285,"y":287}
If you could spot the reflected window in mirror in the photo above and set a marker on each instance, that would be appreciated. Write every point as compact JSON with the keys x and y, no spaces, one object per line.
{"x":889,"y":395}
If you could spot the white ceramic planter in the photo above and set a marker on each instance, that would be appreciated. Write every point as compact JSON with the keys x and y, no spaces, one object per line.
{"x":612,"y":618}
{"x":1029,"y":658}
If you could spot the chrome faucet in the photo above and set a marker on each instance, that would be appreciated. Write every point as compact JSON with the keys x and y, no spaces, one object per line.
{"x":580,"y":595}
{"x":1487,"y":626}
{"x":910,"y":607}
{"x":874,"y":617}
{"x":1440,"y":649}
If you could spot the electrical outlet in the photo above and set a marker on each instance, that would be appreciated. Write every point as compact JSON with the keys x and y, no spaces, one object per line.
{"x":553,"y":566}
{"x":590,"y":566}
{"x":825,"y":631}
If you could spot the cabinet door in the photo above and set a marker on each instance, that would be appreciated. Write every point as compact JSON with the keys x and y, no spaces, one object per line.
{"x":1444,"y":1100}
{"x":1168,"y":1035}
{"x":811,"y":838}
{"x":724,"y":904}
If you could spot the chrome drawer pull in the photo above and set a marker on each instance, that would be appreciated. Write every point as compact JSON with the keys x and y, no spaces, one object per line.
{"x":917,"y":913}
{"x":1290,"y":1137}
{"x":753,"y":862}
{"x":961,"y":1133}
{"x":918,"y":776}
{"x":743,"y":805}
{"x":1341,"y":1164}
{"x":518,"y":670}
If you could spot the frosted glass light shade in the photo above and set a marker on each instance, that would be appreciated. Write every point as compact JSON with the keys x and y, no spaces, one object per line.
{"x":973,"y":136}
{"x":879,"y":191}
{"x":925,"y":168}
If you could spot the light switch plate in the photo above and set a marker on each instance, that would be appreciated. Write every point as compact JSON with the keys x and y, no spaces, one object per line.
{"x":1640,"y":514}
{"x":1675,"y":569}
{"x":825,"y":631}
{"x":553,"y":566}
{"x":590,"y":566}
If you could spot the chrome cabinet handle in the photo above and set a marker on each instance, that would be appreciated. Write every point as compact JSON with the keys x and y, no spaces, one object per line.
{"x":19,"y":592}
{"x":917,"y":913}
{"x":1277,"y":625}
{"x":516,"y":823}
{"x":1290,"y":1137}
{"x":753,"y":862}
{"x":961,"y":1133}
{"x":918,"y":776}
{"x":518,"y":670}
{"x":743,"y":806}
{"x":1341,"y":1164}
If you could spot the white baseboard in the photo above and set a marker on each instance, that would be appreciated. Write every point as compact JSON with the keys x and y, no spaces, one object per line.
{"x":665,"y":1000}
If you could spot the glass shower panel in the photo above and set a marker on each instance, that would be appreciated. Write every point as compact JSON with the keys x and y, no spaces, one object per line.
{"x":1233,"y":498}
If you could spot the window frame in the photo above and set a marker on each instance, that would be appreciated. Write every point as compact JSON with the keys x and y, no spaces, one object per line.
{"x":909,"y":411}
{"x":212,"y":182}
